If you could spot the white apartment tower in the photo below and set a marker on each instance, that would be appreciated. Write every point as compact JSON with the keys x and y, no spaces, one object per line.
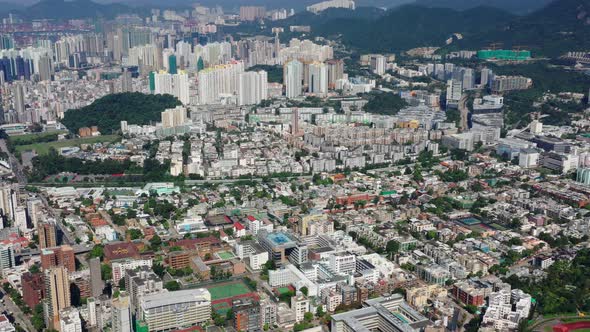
{"x":293,"y":78}
{"x":253,"y":88}
{"x":318,"y":79}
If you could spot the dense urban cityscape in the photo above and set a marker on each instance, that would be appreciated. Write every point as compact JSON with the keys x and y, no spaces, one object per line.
{"x":320,"y":166}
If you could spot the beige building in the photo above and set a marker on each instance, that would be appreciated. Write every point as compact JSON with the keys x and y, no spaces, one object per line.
{"x":57,"y":288}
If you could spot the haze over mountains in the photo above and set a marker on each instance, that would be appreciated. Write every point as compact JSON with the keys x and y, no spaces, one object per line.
{"x":517,"y":7}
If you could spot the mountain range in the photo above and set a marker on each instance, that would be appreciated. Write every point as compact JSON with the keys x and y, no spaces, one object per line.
{"x":61,"y":9}
{"x":519,"y":7}
{"x":558,"y":27}
{"x":513,"y":6}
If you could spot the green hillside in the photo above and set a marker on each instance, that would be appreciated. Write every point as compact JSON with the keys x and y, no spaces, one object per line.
{"x":108,"y":112}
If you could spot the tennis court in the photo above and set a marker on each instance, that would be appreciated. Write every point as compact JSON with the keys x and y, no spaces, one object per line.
{"x":227,"y":290}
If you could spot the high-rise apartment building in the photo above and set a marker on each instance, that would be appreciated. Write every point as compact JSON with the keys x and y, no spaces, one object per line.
{"x":33,"y":286}
{"x":509,"y":83}
{"x":219,"y":81}
{"x":247,"y":315}
{"x":253,"y":87}
{"x":174,"y":117}
{"x":293,"y":78}
{"x":63,"y":256}
{"x":142,"y":282}
{"x":454,"y":92}
{"x":19,"y":98}
{"x":6,"y":256}
{"x":57,"y":291}
{"x":252,"y":13}
{"x":96,"y":277}
{"x":335,"y":72}
{"x":172,"y":84}
{"x":121,"y":313}
{"x":126,"y":81}
{"x":318,"y":79}
{"x":47,"y":235}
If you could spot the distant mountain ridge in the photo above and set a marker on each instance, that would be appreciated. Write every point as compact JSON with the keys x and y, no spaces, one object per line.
{"x":561,"y":26}
{"x":61,"y":9}
{"x":512,"y":6}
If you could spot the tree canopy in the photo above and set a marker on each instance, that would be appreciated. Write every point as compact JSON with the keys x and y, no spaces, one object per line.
{"x":108,"y":111}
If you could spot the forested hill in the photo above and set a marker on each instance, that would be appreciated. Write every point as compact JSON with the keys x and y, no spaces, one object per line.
{"x":559,"y":27}
{"x":108,"y":112}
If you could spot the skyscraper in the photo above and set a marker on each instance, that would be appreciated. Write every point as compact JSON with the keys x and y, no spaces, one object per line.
{"x":122,"y":314}
{"x":335,"y":72}
{"x":253,"y":87}
{"x":57,"y":290}
{"x":19,"y":98}
{"x":8,"y":201}
{"x":59,"y":256}
{"x":295,"y":122}
{"x":95,"y":277}
{"x":33,"y":210}
{"x":172,"y":65}
{"x":6,"y":256}
{"x":47,"y":235}
{"x":214,"y":82}
{"x":318,"y":79}
{"x":293,"y":77}
{"x":126,"y":81}
{"x":172,"y":84}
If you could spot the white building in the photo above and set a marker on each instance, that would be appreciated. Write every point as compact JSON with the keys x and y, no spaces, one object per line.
{"x":343,"y":263}
{"x":253,"y":87}
{"x":321,"y":6}
{"x":528,"y":158}
{"x":69,"y":320}
{"x":300,"y":305}
{"x":318,"y":79}
{"x":293,"y":78}
{"x":120,"y":266}
{"x":215,"y":82}
{"x":173,"y":84}
{"x":500,"y":313}
{"x":175,"y":310}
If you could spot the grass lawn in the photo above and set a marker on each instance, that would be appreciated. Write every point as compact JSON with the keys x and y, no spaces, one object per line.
{"x":43,"y":148}
{"x":227,"y":290}
{"x":28,"y":137}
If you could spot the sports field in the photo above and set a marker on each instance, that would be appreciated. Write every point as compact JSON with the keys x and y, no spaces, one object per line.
{"x":227,"y":290}
{"x":43,"y":148}
{"x":225,"y":255}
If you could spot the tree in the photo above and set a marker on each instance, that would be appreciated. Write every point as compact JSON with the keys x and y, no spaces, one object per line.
{"x":134,"y":234}
{"x":97,"y":251}
{"x":122,"y":284}
{"x":319,"y":312}
{"x":172,"y":285}
{"x":308,"y":316}
{"x":106,"y":272}
{"x":392,"y":247}
{"x":158,"y":269}
{"x":304,"y":290}
{"x":155,"y":242}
